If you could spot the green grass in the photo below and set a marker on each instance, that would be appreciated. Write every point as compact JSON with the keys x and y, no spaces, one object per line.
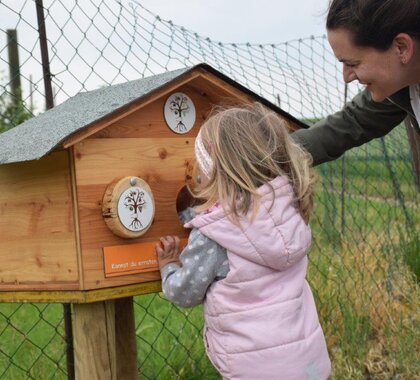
{"x":367,"y":300}
{"x":365,"y":266}
{"x":169,"y":340}
{"x":370,"y":179}
{"x":31,"y":342}
{"x":411,"y":249}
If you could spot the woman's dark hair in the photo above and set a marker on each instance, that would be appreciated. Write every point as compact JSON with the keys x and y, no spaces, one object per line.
{"x":375,"y":23}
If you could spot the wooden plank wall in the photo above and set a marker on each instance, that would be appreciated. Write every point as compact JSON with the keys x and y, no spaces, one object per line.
{"x":138,"y":145}
{"x":37,"y":241}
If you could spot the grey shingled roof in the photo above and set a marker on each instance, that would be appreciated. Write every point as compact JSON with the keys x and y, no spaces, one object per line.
{"x":38,"y":136}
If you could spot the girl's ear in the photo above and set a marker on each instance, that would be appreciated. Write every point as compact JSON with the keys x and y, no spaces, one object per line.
{"x":404,"y":46}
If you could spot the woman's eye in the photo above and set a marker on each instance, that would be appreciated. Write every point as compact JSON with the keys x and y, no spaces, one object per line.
{"x":351,"y":65}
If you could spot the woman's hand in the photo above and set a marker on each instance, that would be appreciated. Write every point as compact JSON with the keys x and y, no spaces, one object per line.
{"x":167,"y":250}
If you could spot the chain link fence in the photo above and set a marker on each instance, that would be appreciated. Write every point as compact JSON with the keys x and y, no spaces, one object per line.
{"x":364,"y":267}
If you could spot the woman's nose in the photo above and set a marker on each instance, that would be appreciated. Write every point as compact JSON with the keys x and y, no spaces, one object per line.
{"x":348,"y":74}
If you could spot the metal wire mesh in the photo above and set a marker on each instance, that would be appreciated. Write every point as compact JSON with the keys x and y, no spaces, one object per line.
{"x":32,"y":342}
{"x":364,"y":260}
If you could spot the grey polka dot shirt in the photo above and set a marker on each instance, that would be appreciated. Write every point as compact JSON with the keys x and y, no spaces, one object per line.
{"x":202,"y":262}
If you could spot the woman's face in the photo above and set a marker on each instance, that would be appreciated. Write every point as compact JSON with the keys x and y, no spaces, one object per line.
{"x":380,"y":71}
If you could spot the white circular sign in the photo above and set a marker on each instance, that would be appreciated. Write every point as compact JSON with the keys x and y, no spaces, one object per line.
{"x":179,"y":112}
{"x":135,"y":209}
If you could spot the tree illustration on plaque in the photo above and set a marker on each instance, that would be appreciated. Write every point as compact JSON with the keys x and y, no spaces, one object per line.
{"x":179,"y":106}
{"x":134,"y":201}
{"x":179,"y":112}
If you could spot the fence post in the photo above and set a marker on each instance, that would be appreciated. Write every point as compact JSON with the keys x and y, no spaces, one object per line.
{"x":14,"y":66}
{"x":49,"y":103}
{"x":49,"y":100}
{"x":343,"y":181}
{"x":414,"y":140}
{"x":398,"y":193}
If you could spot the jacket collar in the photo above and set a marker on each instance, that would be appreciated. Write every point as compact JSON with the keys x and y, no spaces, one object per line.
{"x":402,"y":100}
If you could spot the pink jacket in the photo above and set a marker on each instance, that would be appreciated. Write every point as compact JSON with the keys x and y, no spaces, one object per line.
{"x":261,"y":320}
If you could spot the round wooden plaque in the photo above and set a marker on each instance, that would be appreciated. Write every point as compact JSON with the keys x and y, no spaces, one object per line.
{"x":179,"y":112}
{"x":128,"y":207}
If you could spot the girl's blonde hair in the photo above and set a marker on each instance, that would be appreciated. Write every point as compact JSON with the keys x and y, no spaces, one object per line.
{"x":250,"y":146}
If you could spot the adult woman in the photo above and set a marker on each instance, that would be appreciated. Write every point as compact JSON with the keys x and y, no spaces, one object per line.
{"x":378,"y":42}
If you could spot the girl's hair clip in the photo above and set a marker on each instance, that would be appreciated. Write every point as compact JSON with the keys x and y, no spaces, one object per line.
{"x":209,"y":147}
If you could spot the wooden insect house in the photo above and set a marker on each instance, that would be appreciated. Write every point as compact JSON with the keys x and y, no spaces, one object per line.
{"x":86,"y":190}
{"x":88,"y":187}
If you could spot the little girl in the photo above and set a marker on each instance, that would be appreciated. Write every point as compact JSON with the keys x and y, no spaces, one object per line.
{"x":246,"y":257}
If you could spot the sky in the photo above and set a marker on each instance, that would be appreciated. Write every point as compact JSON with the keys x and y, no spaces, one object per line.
{"x":73,"y":56}
{"x":254,"y":21}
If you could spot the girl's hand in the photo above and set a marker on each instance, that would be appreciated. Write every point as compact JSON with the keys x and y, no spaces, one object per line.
{"x":167,"y":250}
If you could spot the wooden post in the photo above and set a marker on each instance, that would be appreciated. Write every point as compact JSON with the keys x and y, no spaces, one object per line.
{"x":414,"y":140}
{"x":14,"y":65}
{"x":104,"y":340}
{"x":125,"y":334}
{"x":49,"y":100}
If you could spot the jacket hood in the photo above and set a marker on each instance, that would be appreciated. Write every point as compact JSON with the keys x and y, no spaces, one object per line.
{"x":277,"y":237}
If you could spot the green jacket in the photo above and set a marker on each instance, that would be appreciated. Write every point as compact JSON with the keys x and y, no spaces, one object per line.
{"x":360,"y":121}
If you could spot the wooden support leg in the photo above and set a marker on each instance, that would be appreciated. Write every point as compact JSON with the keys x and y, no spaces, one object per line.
{"x":125,"y":331}
{"x":104,"y":340}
